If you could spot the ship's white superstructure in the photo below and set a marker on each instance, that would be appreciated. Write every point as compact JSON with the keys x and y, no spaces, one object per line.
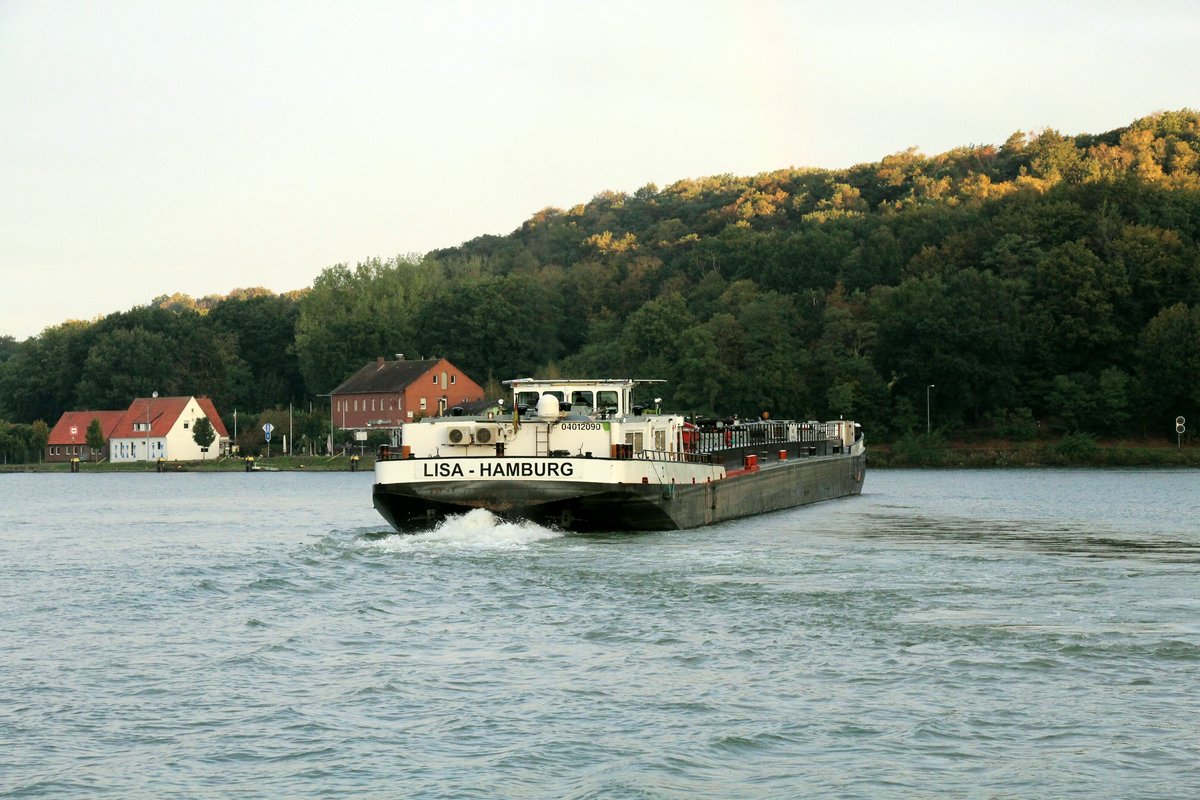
{"x":584,"y":454}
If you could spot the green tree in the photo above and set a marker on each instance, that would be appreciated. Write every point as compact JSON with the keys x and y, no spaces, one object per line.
{"x":8,"y":348}
{"x":39,"y":436}
{"x":9,"y":442}
{"x":1169,"y":358}
{"x":353,"y":315}
{"x":841,"y":361}
{"x":203,"y":434}
{"x":1162,"y":270}
{"x":1074,"y":321}
{"x":95,"y":436}
{"x":962,"y":333}
{"x":263,"y":327}
{"x":651,"y":338}
{"x":126,"y":363}
{"x":40,"y":377}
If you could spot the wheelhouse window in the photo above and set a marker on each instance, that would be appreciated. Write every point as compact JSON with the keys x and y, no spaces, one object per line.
{"x":606,"y":401}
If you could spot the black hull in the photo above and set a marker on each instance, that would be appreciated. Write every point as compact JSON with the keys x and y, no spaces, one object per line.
{"x":625,"y":507}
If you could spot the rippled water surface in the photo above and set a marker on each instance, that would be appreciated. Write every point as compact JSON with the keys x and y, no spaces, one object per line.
{"x":947,"y":634}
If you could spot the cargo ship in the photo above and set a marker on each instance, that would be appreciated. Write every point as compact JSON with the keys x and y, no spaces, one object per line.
{"x":586,"y":455}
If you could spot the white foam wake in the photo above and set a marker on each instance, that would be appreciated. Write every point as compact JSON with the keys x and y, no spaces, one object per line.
{"x":478,"y":529}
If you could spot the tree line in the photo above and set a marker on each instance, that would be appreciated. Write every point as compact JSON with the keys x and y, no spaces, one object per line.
{"x":1049,"y":284}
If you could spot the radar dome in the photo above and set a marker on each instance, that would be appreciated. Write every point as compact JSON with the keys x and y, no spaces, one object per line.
{"x":547,"y":407}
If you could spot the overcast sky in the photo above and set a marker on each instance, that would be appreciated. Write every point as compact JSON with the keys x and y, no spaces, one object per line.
{"x":155,"y":147}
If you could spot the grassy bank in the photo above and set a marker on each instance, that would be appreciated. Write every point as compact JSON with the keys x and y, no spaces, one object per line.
{"x":275,"y":463}
{"x":1079,"y":450}
{"x":1076,"y":450}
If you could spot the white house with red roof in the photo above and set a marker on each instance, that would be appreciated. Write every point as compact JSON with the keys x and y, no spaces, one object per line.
{"x":68,"y":440}
{"x":162,"y":427}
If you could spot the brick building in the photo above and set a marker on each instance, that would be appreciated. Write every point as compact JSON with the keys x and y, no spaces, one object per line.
{"x":387,"y":394}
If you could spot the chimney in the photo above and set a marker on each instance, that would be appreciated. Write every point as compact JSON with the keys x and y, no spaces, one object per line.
{"x":379,"y":362}
{"x":399,"y":356}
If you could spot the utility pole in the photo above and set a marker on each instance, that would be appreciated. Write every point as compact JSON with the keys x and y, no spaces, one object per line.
{"x":928,"y":426}
{"x":153,"y":395}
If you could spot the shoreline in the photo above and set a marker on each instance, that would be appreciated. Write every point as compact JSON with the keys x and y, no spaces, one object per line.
{"x":920,"y":451}
{"x":337,"y":463}
{"x":1078,"y":450}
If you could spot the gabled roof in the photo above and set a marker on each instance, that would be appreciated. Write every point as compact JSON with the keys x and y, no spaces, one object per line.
{"x":210,"y":411}
{"x":81,"y":420}
{"x":386,"y":376}
{"x":163,"y":413}
{"x":160,"y":412}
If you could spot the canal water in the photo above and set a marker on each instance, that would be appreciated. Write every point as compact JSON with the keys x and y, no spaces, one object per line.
{"x":977,"y":634}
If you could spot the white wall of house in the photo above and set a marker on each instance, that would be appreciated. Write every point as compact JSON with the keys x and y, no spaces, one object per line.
{"x":176,"y":445}
{"x":133,"y":448}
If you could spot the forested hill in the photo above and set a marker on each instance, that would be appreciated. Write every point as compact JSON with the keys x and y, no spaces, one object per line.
{"x":1053,"y":280}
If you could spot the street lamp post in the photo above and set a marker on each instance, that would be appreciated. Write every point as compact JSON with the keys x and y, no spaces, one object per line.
{"x":331,"y":409}
{"x":928,"y":426}
{"x":153,"y":395}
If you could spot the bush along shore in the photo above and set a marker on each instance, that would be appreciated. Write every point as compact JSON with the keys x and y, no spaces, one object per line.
{"x":338,"y":463}
{"x":1072,"y":450}
{"x":921,"y":450}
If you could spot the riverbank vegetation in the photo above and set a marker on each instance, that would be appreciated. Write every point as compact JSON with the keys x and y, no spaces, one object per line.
{"x":1073,"y":450}
{"x":291,"y":463}
{"x":1045,"y":287}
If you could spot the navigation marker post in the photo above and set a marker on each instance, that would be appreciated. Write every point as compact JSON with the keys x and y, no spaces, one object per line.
{"x":267,"y":428}
{"x":1179,"y":431}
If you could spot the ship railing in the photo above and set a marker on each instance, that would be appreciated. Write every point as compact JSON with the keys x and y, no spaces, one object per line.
{"x":672,"y":455}
{"x":752,"y":434}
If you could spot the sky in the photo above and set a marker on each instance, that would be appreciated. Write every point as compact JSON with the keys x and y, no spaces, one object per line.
{"x":151,"y":147}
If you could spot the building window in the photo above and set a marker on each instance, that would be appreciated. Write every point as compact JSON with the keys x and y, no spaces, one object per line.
{"x":452,"y":379}
{"x":185,"y":426}
{"x":356,"y":404}
{"x":435,"y":379}
{"x":423,"y":406}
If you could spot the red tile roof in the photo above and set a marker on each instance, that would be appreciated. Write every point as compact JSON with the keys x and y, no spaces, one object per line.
{"x":386,"y":376}
{"x":80,"y":420}
{"x":163,"y":413}
{"x":210,"y":411}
